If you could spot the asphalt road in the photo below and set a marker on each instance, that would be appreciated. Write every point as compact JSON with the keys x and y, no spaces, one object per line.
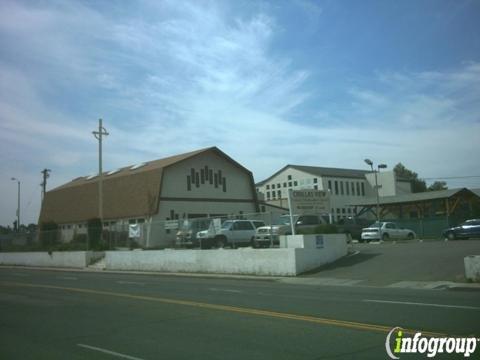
{"x":388,"y":263}
{"x":82,"y":315}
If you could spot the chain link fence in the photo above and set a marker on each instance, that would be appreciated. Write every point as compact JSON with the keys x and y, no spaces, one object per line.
{"x":161,"y":234}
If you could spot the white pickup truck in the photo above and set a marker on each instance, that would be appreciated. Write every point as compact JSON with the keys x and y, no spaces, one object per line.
{"x":386,"y":231}
{"x":232,"y":233}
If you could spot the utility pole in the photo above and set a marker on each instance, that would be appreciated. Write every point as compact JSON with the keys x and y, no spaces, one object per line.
{"x":18,"y":203}
{"x":98,"y":135}
{"x":46,"y":175}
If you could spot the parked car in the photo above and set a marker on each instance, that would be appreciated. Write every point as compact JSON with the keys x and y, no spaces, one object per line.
{"x":352,"y":226}
{"x":232,"y":233}
{"x":468,"y":229}
{"x":267,"y":235}
{"x":386,"y":231}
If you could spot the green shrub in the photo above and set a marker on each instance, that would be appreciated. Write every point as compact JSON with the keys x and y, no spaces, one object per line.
{"x":94,"y":227}
{"x":49,"y":235}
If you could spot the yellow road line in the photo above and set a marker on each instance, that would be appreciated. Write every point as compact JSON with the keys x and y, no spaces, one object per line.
{"x":235,"y":309}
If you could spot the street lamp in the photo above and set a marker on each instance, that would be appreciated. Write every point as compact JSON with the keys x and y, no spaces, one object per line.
{"x":380,"y":166}
{"x":18,"y":203}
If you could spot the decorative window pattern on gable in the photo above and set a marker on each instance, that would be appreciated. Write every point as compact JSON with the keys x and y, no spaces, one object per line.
{"x":206,"y":176}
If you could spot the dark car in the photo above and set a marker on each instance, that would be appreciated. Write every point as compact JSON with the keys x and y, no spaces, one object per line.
{"x":466,"y":230}
{"x":352,"y":226}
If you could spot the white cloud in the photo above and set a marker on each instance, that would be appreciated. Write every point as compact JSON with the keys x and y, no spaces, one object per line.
{"x":191,"y":75}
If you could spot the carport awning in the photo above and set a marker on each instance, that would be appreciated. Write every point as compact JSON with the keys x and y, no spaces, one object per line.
{"x":412,"y":198}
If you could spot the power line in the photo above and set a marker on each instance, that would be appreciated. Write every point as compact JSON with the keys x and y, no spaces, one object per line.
{"x":452,"y":177}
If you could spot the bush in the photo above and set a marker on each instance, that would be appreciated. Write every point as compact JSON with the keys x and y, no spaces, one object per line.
{"x":320,"y":229}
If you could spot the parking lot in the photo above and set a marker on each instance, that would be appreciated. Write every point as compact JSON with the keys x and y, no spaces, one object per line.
{"x":389,"y":263}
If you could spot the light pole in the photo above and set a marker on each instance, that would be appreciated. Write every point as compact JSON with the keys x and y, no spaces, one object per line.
{"x":380,"y":166}
{"x":18,"y":203}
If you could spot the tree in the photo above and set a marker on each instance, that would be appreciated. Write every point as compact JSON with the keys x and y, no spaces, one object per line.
{"x":94,"y":228}
{"x":438,"y":185}
{"x":418,"y":185}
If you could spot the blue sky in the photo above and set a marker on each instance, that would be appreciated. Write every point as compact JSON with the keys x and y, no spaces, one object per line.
{"x":324,"y":83}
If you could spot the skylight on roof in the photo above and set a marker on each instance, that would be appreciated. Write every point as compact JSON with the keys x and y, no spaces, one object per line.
{"x":113,"y":171}
{"x":134,"y":167}
{"x":90,"y":177}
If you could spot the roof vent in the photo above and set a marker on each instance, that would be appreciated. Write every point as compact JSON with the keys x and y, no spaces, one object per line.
{"x":135,"y":167}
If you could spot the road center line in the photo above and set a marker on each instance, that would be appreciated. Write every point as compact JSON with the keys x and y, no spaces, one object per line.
{"x":67,"y":278}
{"x":226,"y":290}
{"x":129,"y":282}
{"x":422,"y":304}
{"x":228,"y":308}
{"x":109,"y":352}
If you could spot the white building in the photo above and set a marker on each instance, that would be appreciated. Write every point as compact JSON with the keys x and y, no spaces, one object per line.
{"x":202,"y":183}
{"x":346,"y":186}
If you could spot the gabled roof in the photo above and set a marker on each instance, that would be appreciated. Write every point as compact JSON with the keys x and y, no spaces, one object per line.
{"x":321,"y":171}
{"x":130,"y":192}
{"x":412,"y":198}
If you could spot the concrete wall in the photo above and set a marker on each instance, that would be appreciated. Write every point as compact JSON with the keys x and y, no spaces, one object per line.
{"x":472,"y":267}
{"x":318,"y":249}
{"x":280,"y":262}
{"x":268,"y":262}
{"x":67,"y":259}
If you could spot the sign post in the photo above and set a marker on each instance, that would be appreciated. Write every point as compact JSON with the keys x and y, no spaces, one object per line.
{"x":290,"y":210}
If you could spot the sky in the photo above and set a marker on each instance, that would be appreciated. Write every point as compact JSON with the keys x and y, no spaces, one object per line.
{"x":321,"y":83}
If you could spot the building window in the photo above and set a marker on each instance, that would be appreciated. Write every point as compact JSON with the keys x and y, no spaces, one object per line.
{"x":273,"y":186}
{"x":338,"y":210}
{"x":279,"y":193}
{"x":284,"y":184}
{"x":363,"y":189}
{"x":330,"y":185}
{"x":353,"y":188}
{"x":315,"y":180}
{"x":268,"y":195}
{"x":358,"y":189}
{"x":289,"y":177}
{"x":336,"y":187}
{"x":279,"y":186}
{"x":295,"y":183}
{"x":268,"y":187}
{"x":347,"y":187}
{"x":349,"y":210}
{"x":341,"y":187}
{"x":315,"y":187}
{"x":274,"y":194}
{"x":343,"y":211}
{"x":290,"y":183}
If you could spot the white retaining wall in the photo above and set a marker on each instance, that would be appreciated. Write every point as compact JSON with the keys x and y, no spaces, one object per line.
{"x":67,"y":259}
{"x":472,"y":267}
{"x":269,"y":262}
